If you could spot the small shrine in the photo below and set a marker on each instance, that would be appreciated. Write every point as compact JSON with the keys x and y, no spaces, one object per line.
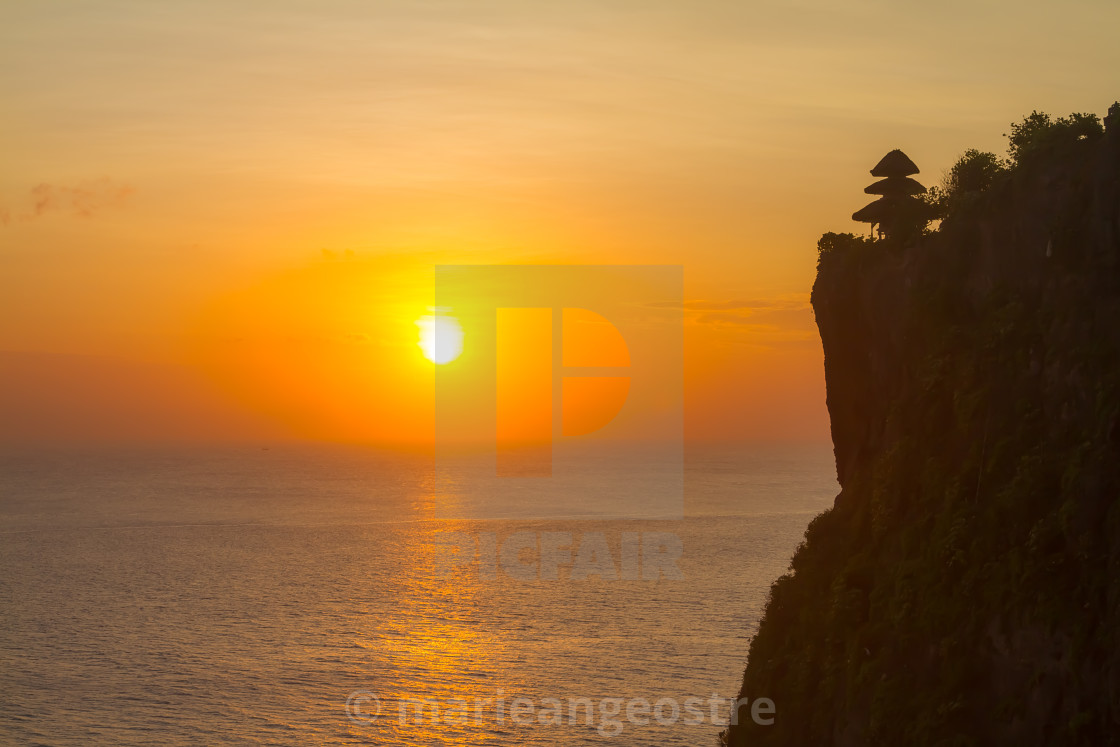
{"x":898,"y":209}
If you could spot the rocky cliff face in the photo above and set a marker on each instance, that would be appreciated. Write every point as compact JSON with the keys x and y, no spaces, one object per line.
{"x":965,"y":588}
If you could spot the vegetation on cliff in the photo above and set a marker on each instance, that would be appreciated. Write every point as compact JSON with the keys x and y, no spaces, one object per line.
{"x":965,"y":587}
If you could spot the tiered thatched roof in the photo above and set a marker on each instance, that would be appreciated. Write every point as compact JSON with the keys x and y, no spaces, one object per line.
{"x":898,"y":205}
{"x":895,"y":185}
{"x":895,"y":163}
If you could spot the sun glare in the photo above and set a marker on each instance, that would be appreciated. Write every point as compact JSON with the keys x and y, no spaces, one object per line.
{"x":441,"y":337}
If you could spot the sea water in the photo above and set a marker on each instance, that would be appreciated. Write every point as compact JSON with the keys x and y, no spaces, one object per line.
{"x":303,"y":595}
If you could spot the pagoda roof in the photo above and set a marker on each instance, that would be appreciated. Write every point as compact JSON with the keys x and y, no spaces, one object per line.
{"x":895,"y":185}
{"x":874,"y":212}
{"x":895,"y":163}
{"x":891,"y":207}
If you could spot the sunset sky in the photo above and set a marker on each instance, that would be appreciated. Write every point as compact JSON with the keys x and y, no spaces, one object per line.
{"x":220,"y":220}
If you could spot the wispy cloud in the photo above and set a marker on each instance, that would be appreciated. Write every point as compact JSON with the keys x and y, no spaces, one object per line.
{"x":727,"y":317}
{"x":736,"y":309}
{"x":82,"y":200}
{"x":774,"y":322}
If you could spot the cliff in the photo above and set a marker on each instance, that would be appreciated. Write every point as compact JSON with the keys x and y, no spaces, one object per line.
{"x":965,"y":587}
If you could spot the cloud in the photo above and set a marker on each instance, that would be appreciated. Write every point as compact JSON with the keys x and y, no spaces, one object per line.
{"x":726,"y":317}
{"x":791,"y":310}
{"x":82,"y":200}
{"x":776,"y":322}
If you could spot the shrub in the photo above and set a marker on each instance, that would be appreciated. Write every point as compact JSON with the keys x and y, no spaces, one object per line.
{"x":1038,"y":132}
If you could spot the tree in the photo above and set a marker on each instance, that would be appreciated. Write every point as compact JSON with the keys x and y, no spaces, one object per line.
{"x":973,"y":173}
{"x":1038,"y":132}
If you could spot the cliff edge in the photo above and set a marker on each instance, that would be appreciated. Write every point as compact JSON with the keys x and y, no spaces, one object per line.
{"x":965,"y":587}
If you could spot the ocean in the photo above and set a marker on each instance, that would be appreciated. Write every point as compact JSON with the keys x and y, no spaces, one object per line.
{"x":321,"y":595}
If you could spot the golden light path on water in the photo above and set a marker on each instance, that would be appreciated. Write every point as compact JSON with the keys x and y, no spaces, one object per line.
{"x":244,"y":595}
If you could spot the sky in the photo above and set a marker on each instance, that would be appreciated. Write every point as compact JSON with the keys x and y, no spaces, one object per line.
{"x":220,"y":220}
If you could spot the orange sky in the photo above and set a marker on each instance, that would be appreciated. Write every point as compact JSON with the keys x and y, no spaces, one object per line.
{"x":249,"y":201}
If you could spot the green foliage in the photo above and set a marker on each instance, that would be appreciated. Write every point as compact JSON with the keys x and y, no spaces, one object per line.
{"x":1035,"y":138}
{"x":967,"y":578}
{"x":834,"y":243}
{"x":1038,"y":133}
{"x":847,"y":245}
{"x":937,"y":200}
{"x":973,"y":173}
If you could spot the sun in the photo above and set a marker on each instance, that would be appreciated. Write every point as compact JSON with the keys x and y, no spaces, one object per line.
{"x":441,"y":337}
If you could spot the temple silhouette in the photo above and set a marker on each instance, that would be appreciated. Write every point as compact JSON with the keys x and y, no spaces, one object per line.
{"x":898,"y":211}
